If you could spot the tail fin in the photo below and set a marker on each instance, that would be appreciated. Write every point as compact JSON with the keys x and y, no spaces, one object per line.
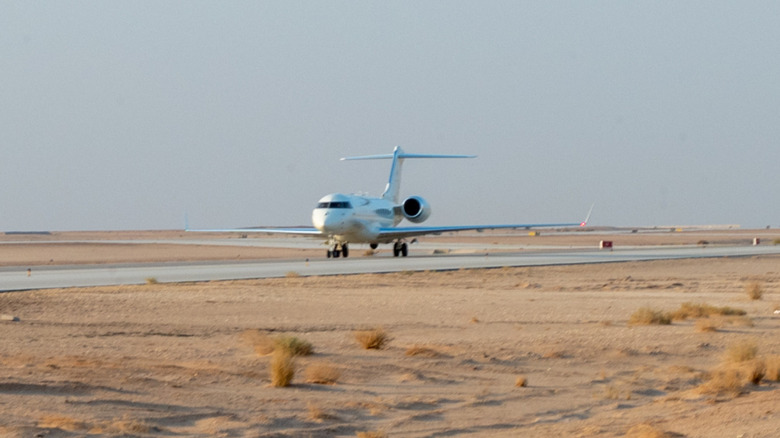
{"x":394,"y":183}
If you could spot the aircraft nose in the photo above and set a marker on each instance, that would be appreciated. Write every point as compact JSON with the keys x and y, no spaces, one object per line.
{"x":327,"y":221}
{"x":318,"y":219}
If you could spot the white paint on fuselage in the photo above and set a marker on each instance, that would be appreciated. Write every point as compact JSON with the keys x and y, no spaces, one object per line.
{"x":353,"y":218}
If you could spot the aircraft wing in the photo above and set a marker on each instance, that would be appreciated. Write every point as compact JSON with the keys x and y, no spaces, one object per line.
{"x":302,"y":231}
{"x":403,"y":232}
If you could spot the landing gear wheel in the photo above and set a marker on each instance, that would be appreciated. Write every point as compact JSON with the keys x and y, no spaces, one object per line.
{"x":373,"y":245}
{"x":336,"y":253}
{"x":329,"y":254}
{"x":400,"y":249}
{"x":345,"y":250}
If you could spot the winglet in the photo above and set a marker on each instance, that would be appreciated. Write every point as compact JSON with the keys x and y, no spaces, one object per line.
{"x":587,"y":218}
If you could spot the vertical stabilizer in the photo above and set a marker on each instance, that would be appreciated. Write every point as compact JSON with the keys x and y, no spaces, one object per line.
{"x":393,"y":188}
{"x":394,"y":182}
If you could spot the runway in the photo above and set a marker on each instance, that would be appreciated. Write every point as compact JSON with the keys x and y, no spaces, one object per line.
{"x":45,"y":277}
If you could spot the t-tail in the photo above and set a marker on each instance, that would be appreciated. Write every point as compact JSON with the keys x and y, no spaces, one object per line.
{"x":394,"y":183}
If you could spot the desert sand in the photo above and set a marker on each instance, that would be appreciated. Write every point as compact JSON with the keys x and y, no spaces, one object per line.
{"x":192,"y":359}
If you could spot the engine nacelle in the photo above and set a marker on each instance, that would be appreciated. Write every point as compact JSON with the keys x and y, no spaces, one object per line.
{"x":415,"y":209}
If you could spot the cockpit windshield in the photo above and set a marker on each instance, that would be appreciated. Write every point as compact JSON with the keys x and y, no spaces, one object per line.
{"x":336,"y":204}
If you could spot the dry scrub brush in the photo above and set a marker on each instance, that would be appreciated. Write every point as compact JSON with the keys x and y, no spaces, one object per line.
{"x":701,"y":310}
{"x":264,"y":344}
{"x":648,"y":316}
{"x":741,"y":366}
{"x":772,"y":368}
{"x":374,"y":339}
{"x":282,"y":368}
{"x":741,"y":352}
{"x":713,"y":323}
{"x":293,"y":345}
{"x":754,"y":290}
{"x":322,"y":373}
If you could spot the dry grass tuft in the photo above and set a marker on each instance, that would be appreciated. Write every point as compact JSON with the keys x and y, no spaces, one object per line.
{"x":293,"y":345}
{"x":292,"y":274}
{"x":701,"y":310}
{"x":741,"y":352}
{"x":265,"y":345}
{"x":732,"y":379}
{"x":151,"y":280}
{"x":521,"y":382}
{"x":741,"y":366}
{"x":421,"y":351}
{"x":648,"y":316}
{"x":754,"y":290}
{"x":372,"y":434}
{"x":322,"y":373}
{"x":772,"y":364}
{"x":261,"y":342}
{"x":645,"y":430}
{"x":474,"y":320}
{"x":282,"y":368}
{"x":374,"y":339}
{"x":755,"y":370}
{"x":724,"y":381}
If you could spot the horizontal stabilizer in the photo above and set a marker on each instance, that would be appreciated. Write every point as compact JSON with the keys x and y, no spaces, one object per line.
{"x":405,"y":155}
{"x":394,"y":182}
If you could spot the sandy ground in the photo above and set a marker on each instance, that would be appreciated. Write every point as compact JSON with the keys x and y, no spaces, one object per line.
{"x":183,"y":360}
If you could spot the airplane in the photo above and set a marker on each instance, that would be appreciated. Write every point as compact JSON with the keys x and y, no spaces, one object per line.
{"x":343,"y":219}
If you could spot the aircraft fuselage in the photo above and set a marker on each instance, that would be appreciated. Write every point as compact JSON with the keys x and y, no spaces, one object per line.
{"x":354,"y":218}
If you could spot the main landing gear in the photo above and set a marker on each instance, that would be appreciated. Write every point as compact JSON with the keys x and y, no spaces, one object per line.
{"x":400,"y":248}
{"x":338,"y":250}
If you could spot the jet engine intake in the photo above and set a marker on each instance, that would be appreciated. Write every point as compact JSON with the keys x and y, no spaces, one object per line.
{"x":415,"y":209}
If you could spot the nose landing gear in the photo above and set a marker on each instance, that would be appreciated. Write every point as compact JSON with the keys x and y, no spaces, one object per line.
{"x":338,"y":250}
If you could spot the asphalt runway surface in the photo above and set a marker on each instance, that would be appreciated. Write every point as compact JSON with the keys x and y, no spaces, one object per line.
{"x":46,"y":277}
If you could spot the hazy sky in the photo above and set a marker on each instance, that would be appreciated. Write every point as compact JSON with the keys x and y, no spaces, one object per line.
{"x":124,"y":115}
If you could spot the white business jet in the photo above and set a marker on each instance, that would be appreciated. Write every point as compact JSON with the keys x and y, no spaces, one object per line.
{"x":342,"y":219}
